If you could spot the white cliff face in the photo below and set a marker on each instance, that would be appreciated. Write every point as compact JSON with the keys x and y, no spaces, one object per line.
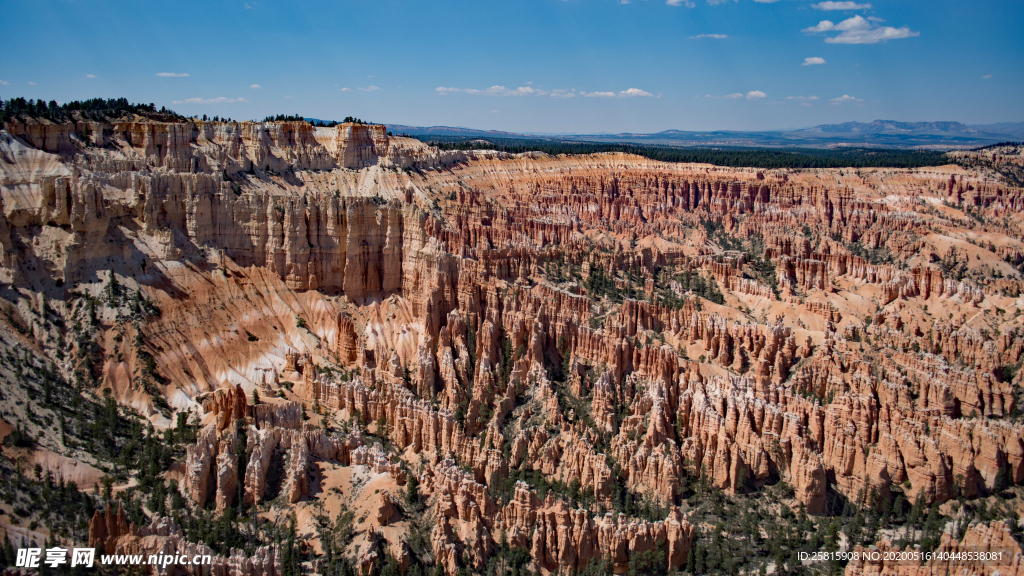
{"x":213,"y":185}
{"x":435,"y":290}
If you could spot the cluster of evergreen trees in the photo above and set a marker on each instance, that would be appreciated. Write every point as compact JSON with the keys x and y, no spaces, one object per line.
{"x":733,"y":157}
{"x":285,"y":118}
{"x":333,"y":123}
{"x":108,"y":108}
{"x":997,"y":145}
{"x":95,"y":109}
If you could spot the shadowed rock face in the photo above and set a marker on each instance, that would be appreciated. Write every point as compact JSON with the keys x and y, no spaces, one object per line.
{"x":607,"y":322}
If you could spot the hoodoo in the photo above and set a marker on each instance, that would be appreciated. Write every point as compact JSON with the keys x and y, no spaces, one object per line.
{"x":245,"y":335}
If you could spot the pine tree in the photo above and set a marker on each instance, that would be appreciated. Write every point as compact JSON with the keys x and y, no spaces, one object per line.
{"x":9,"y":554}
{"x":412,"y":492}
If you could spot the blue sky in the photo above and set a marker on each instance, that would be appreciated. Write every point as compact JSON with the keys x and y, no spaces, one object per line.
{"x":579,"y":66}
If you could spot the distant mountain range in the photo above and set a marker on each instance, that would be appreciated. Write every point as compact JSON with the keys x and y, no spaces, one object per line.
{"x":880,"y":133}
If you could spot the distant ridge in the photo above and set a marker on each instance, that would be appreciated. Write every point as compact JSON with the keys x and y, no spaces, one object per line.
{"x":1015,"y":129}
{"x":881,"y":126}
{"x":448,"y":131}
{"x":940,"y":135}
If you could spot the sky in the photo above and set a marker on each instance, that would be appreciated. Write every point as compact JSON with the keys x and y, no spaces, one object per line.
{"x":540,"y":66}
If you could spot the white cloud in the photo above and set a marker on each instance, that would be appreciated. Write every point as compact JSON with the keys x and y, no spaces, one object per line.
{"x":368,"y":89}
{"x":874,"y":36}
{"x":90,"y":75}
{"x":812,"y":61}
{"x":629,"y":93}
{"x":823,"y":26}
{"x":858,"y":30}
{"x":248,"y":7}
{"x":752,"y":95}
{"x":218,"y":100}
{"x":686,"y":3}
{"x":6,"y":83}
{"x":634,"y":92}
{"x":766,"y":1}
{"x":841,"y":6}
{"x":986,"y":77}
{"x":255,"y":86}
{"x":802,"y":100}
{"x":717,"y":2}
{"x":30,"y":83}
{"x":172,"y":74}
{"x":346,"y":89}
{"x":715,"y":36}
{"x":844,"y":99}
{"x":531,"y":91}
{"x":493,"y":91}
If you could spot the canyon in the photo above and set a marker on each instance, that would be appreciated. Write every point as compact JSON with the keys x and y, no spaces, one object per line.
{"x":474,"y":353}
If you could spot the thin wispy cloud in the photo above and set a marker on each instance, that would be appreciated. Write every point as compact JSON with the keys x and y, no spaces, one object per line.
{"x":531,"y":91}
{"x":255,"y":86}
{"x":812,"y":61}
{"x":858,"y":30}
{"x":248,"y":7}
{"x":841,"y":6}
{"x":218,"y":100}
{"x":846,"y":98}
{"x":344,"y":90}
{"x":6,"y":83}
{"x":368,"y":89}
{"x":686,"y":3}
{"x":30,"y":83}
{"x":715,"y":36}
{"x":802,"y":100}
{"x":752,"y":95}
{"x":986,"y":77}
{"x":492,"y":91}
{"x":172,"y":74}
{"x":90,"y":76}
{"x":629,"y":93}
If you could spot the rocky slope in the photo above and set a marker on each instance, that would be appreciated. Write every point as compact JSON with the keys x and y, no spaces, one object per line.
{"x":560,"y":351}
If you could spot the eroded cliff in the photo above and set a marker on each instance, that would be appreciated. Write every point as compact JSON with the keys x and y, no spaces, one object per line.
{"x":562,"y":352}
